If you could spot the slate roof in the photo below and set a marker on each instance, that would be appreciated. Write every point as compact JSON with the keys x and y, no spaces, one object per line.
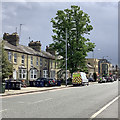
{"x":27,"y":50}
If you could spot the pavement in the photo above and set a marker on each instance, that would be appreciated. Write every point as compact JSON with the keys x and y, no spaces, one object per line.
{"x":34,"y":89}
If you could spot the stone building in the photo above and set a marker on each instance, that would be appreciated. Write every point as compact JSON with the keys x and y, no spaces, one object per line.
{"x":94,"y":63}
{"x":29,"y":62}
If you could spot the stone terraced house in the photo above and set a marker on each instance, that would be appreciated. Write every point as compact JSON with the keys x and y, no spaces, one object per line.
{"x":29,"y":62}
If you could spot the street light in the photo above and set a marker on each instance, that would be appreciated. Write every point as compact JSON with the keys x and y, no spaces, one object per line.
{"x":66,"y":53}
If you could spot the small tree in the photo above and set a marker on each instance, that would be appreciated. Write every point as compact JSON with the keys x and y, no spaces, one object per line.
{"x":77,"y":24}
{"x":7,"y":67}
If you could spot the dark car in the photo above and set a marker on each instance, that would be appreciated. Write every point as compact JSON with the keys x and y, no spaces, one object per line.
{"x":91,"y":79}
{"x":109,"y":79}
{"x":49,"y":82}
{"x":40,"y":82}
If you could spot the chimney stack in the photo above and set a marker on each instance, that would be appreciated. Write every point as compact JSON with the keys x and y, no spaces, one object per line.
{"x":35,"y":45}
{"x":51,"y":51}
{"x":11,"y":38}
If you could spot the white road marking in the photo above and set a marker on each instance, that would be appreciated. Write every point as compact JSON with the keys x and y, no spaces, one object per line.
{"x":20,"y":102}
{"x":102,"y":109}
{"x":41,"y":101}
{"x":3,"y":110}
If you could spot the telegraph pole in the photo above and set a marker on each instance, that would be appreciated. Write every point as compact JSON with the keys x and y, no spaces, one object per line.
{"x":20,"y":31}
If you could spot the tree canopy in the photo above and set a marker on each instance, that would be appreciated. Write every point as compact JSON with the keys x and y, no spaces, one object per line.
{"x":77,"y":24}
{"x":7,"y":67}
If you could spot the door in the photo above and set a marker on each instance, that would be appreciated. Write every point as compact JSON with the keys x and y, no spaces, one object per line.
{"x":14,"y":74}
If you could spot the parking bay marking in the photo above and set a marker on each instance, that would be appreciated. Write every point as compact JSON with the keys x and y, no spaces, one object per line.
{"x":102,"y":109}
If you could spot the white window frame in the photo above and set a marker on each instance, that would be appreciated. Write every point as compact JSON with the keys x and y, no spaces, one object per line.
{"x":9,"y":56}
{"x":23,"y":73}
{"x":23,"y":59}
{"x":45,"y":73}
{"x":15,"y":57}
{"x":33,"y":74}
{"x":31,"y":60}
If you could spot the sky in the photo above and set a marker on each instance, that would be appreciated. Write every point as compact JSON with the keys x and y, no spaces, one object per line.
{"x":36,"y":17}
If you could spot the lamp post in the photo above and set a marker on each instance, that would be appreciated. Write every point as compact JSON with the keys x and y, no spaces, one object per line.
{"x":66,"y":57}
{"x":66,"y":53}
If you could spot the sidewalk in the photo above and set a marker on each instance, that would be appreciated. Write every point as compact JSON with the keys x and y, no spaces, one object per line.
{"x":34,"y":89}
{"x":30,"y":90}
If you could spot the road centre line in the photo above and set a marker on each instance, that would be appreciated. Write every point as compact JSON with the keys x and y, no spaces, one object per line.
{"x":102,"y":109}
{"x":41,"y":101}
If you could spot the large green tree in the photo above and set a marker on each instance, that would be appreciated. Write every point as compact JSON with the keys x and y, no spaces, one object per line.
{"x":7,"y":67}
{"x":77,"y":24}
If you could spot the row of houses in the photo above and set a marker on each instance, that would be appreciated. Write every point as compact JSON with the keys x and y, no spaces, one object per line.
{"x":30,"y":62}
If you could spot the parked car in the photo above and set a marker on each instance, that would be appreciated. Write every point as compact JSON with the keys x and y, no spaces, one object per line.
{"x":109,"y":79}
{"x":49,"y":82}
{"x":114,"y":77}
{"x":58,"y":82}
{"x":91,"y":79}
{"x":102,"y":80}
{"x":40,"y":82}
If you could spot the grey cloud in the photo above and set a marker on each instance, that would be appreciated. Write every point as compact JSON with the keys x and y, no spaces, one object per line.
{"x":36,"y":19}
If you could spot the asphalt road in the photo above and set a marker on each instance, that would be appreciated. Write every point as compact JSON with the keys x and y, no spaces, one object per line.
{"x":74,"y":102}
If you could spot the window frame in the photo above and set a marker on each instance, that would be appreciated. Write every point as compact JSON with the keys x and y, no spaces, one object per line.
{"x":23,"y":59}
{"x":31,"y":60}
{"x":37,"y":61}
{"x":33,"y":74}
{"x":40,"y":61}
{"x":23,"y":73}
{"x":45,"y":73}
{"x":15,"y":57}
{"x":9,"y":56}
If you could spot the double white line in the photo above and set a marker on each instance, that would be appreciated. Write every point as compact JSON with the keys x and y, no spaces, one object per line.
{"x":102,"y":109}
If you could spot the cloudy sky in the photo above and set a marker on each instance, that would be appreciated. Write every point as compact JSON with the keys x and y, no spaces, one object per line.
{"x":36,"y":16}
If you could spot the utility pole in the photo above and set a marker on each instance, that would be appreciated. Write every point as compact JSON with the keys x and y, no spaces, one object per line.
{"x":66,"y":56}
{"x":16,"y":29}
{"x":29,"y":39}
{"x":20,"y":31}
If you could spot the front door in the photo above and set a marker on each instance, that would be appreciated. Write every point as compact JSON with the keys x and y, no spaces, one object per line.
{"x":14,"y":74}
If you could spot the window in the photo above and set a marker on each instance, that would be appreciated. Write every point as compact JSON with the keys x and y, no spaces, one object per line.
{"x":40,"y":61}
{"x":9,"y":56}
{"x":37,"y":61}
{"x":52,"y":74}
{"x":33,"y":74}
{"x":22,"y":73}
{"x":45,"y":63}
{"x":15,"y":57}
{"x":45,"y":73}
{"x":31,"y":60}
{"x":23,"y":59}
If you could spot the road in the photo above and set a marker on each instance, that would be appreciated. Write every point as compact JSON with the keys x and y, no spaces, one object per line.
{"x":73,"y":102}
